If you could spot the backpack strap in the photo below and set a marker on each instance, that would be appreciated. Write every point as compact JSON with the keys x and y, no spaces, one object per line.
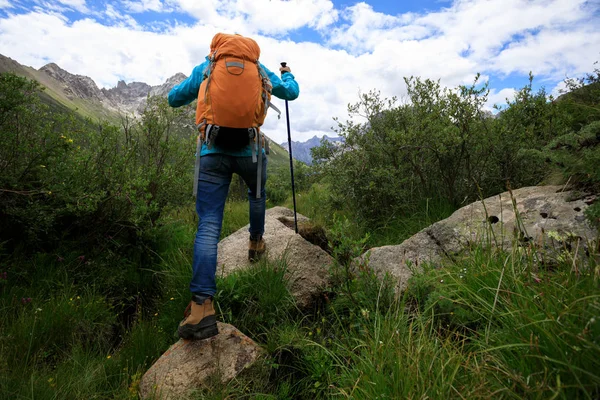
{"x":253,"y":145}
{"x":256,"y":139}
{"x":276,"y":110}
{"x":207,"y":73}
{"x":197,"y":166}
{"x":259,"y":166}
{"x":201,"y":139}
{"x":267,"y":87}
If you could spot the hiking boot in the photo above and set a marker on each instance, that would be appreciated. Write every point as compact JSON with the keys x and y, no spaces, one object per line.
{"x":256,"y":248}
{"x":200,"y":321}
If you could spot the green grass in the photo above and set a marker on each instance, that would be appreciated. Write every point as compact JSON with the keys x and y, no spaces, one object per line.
{"x":316,"y":205}
{"x":492,"y":325}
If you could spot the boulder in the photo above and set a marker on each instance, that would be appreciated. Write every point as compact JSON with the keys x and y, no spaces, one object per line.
{"x":190,"y":364}
{"x":307,"y":263}
{"x":547,"y":217}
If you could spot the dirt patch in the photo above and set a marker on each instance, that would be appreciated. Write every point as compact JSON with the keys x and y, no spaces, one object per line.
{"x":310,"y":232}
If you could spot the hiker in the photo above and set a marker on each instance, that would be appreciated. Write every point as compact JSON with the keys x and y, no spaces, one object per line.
{"x":233,"y":90}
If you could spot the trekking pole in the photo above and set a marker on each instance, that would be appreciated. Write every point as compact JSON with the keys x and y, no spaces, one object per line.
{"x":287,"y":117}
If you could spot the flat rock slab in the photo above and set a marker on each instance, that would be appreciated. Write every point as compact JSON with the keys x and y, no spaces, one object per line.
{"x":547,"y":217}
{"x":307,"y":264}
{"x":189,"y":364}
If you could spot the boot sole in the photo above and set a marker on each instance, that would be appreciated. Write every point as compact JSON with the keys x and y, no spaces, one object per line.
{"x":202,"y":330}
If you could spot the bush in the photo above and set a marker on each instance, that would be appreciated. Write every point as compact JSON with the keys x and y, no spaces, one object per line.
{"x":443,"y":145}
{"x":62,"y":177}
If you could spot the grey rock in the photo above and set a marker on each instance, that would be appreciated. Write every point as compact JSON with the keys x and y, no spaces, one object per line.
{"x":307,"y":264}
{"x":132,"y":97}
{"x":189,"y":364}
{"x":164,"y":89}
{"x":75,"y":86}
{"x":548,"y":218}
{"x":128,"y":96}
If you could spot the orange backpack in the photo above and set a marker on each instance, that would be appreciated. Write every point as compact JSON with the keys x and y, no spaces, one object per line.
{"x":233,"y":99}
{"x":236,"y":93}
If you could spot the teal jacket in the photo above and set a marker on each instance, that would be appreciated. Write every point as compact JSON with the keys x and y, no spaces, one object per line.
{"x":285,"y":88}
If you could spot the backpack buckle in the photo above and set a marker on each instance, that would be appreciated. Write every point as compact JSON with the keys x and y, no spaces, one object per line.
{"x":212,"y":131}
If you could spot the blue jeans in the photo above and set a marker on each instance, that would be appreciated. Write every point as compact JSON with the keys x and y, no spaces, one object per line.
{"x":213,"y":185}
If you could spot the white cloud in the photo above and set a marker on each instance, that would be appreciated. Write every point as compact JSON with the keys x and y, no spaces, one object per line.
{"x":363,"y":49}
{"x":119,"y":19}
{"x":551,"y":53}
{"x":500,"y":98}
{"x":139,"y":6}
{"x":365,"y":29}
{"x":266,"y":16}
{"x":78,"y":5}
{"x":5,"y":4}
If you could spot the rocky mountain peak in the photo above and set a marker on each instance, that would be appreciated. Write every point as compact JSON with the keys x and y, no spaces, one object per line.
{"x":52,"y":68}
{"x":176,"y":79}
{"x":165,"y":88}
{"x":128,"y":96}
{"x":74,"y":86}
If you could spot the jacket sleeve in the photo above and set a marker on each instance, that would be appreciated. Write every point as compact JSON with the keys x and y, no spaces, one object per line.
{"x":286,"y":87}
{"x":187,"y":91}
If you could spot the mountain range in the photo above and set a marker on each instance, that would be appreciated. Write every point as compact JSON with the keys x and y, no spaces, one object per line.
{"x":301,"y":150}
{"x":81,"y":93}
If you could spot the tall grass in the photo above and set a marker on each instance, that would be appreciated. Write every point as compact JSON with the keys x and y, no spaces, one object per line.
{"x":490,"y":325}
{"x":317,"y":204}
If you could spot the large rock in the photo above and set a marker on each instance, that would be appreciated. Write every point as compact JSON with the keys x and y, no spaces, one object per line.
{"x":307,"y":263}
{"x":548,"y":217}
{"x":189,"y":364}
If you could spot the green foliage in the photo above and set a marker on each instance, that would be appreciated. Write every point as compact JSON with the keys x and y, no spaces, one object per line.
{"x":279,"y":183}
{"x":581,"y":100}
{"x":435,"y":146}
{"x":523,"y":126}
{"x":64,"y":178}
{"x":345,"y":248}
{"x":322,"y":207}
{"x":538,"y":328}
{"x":578,"y":155}
{"x":257,"y":299}
{"x":442,"y":144}
{"x":490,"y":325}
{"x":43,"y":331}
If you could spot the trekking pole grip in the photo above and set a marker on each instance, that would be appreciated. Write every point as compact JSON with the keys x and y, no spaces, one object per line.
{"x":283,"y":64}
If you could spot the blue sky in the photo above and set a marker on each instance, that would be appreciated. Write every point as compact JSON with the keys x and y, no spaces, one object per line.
{"x":336,"y":48}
